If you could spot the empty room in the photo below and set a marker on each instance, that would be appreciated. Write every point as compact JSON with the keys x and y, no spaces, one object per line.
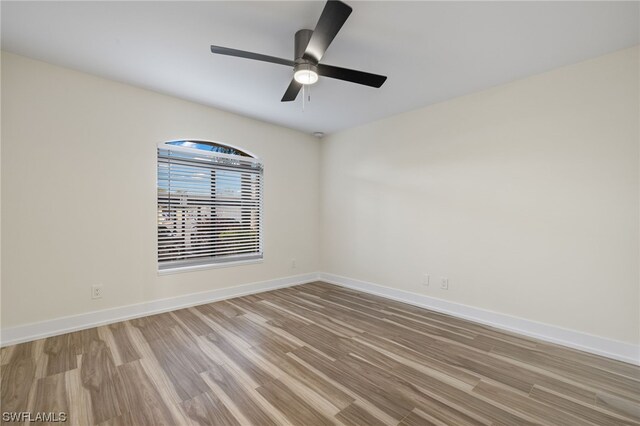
{"x":305,"y":213}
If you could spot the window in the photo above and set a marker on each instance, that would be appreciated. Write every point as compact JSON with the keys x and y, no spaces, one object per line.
{"x":209,"y":204}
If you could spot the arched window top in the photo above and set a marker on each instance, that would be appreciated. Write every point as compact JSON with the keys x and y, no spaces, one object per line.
{"x":211,"y":147}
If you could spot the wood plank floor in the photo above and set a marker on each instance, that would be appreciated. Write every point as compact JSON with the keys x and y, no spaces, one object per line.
{"x":313,"y":354}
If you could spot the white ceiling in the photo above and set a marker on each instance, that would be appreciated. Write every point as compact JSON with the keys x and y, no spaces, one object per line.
{"x":431,"y":51}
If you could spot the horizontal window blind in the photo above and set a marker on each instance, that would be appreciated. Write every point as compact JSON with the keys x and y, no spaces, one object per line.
{"x":209,"y":208}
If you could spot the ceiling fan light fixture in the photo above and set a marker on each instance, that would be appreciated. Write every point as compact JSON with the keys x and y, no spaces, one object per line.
{"x":305,"y":74}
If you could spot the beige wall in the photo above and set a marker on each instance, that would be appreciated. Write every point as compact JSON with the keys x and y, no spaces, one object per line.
{"x":525,"y":196}
{"x":79,"y":186}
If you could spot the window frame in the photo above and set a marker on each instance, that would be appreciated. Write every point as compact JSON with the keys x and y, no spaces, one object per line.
{"x":207,"y":155}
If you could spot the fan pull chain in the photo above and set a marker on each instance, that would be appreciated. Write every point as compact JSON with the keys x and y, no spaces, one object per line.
{"x":306,"y":94}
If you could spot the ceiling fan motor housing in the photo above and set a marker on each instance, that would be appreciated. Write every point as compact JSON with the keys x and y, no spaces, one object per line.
{"x":300,"y":45}
{"x":305,"y":66}
{"x":305,"y":70}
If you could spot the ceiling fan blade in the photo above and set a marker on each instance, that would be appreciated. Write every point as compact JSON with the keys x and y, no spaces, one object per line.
{"x":334,"y":15}
{"x":292,"y":91}
{"x":359,"y":77}
{"x":250,"y":55}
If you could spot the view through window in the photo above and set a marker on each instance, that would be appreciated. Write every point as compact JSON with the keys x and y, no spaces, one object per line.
{"x":209,"y":204}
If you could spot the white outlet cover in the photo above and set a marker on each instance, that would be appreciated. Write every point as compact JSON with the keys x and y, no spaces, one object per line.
{"x":444,"y":283}
{"x":96,"y":292}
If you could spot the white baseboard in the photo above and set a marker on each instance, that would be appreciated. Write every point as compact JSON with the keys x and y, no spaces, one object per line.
{"x":54,"y":327}
{"x":574,"y":339}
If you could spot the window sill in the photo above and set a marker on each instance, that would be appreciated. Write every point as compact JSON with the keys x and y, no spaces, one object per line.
{"x":195,"y":268}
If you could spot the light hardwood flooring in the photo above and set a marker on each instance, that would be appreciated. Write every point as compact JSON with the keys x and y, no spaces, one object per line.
{"x":313,"y":354}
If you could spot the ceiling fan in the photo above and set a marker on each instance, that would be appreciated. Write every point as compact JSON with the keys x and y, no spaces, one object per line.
{"x":309,"y":47}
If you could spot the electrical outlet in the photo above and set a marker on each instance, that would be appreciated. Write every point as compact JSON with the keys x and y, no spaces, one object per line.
{"x":444,"y":283}
{"x":425,"y":280}
{"x":96,"y":292}
{"x":294,"y":264}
